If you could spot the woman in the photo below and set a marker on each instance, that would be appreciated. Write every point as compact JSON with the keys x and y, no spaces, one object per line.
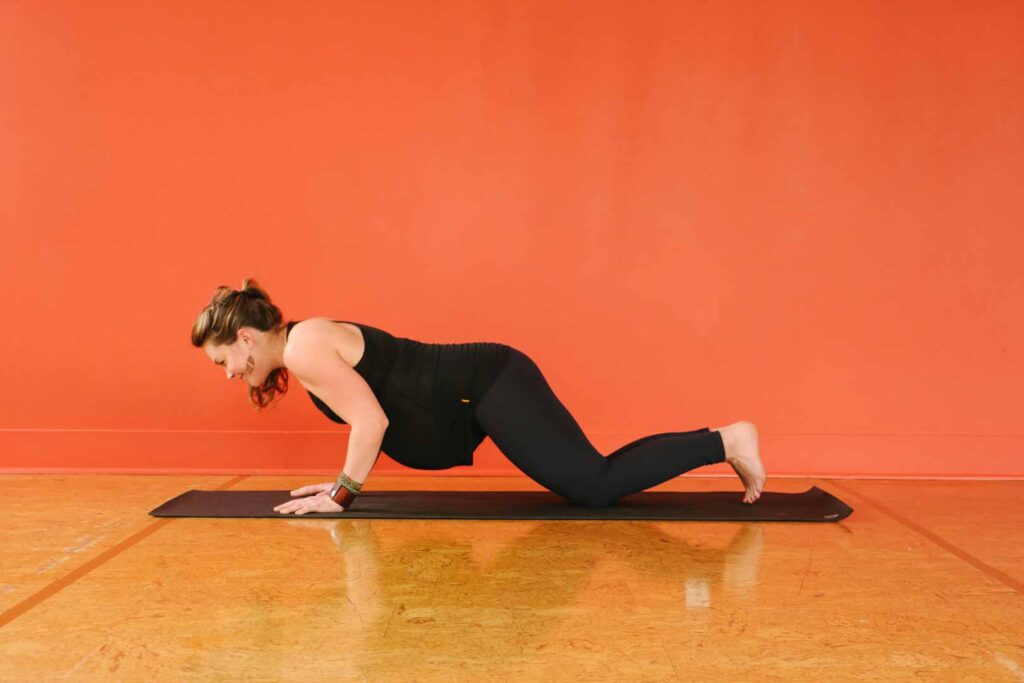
{"x":428,"y":406}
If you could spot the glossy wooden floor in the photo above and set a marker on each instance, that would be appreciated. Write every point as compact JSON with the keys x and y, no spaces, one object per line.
{"x":922,"y":583}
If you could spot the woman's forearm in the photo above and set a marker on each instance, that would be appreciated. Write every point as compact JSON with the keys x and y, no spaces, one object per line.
{"x":363,"y":449}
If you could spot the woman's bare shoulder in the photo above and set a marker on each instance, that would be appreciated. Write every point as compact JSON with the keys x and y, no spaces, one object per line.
{"x":345,"y":338}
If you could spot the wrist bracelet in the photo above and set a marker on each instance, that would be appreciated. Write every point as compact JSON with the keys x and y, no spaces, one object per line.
{"x":345,"y":490}
{"x":349,"y":482}
{"x":343,"y":496}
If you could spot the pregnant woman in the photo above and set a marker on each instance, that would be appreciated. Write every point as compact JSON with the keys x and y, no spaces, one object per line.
{"x":428,"y":406}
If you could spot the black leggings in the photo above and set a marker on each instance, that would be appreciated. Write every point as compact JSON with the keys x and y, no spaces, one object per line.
{"x":529,"y":424}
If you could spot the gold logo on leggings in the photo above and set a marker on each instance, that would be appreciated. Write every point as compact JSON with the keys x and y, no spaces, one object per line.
{"x":464,"y":400}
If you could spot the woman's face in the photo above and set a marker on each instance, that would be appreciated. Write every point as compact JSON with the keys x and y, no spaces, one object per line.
{"x":234,"y":358}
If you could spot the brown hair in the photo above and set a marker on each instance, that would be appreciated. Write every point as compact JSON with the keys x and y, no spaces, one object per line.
{"x":231,"y":309}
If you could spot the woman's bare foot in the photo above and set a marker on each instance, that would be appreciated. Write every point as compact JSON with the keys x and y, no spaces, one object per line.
{"x":742,"y":451}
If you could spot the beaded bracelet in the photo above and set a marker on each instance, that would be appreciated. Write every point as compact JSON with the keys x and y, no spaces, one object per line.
{"x":349,"y":482}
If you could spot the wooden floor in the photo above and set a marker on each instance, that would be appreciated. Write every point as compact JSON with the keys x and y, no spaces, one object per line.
{"x":923,"y":582}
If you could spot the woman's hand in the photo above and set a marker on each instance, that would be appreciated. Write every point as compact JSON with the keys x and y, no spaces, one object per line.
{"x":320,"y":502}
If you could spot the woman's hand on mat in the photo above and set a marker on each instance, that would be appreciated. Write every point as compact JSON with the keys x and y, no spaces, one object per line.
{"x":321,"y":502}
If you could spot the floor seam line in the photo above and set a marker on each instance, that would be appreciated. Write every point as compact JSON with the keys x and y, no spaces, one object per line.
{"x":59,"y":584}
{"x":962,"y":555}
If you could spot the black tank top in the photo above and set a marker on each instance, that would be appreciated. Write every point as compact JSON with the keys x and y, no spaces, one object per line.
{"x":428,"y":392}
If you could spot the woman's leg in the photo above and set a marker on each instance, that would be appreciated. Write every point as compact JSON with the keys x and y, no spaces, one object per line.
{"x":531,"y":426}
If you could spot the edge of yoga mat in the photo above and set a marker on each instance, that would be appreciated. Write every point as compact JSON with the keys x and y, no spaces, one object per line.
{"x":812,"y":505}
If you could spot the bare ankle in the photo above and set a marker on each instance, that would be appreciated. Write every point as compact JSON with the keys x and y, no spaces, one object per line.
{"x":727,"y":441}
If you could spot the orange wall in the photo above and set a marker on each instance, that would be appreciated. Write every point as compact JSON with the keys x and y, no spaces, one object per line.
{"x":803,"y":214}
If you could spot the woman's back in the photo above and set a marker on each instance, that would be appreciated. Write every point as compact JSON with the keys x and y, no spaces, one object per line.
{"x":428,"y":392}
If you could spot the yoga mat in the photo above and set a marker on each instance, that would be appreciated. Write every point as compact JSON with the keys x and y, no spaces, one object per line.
{"x":812,"y":505}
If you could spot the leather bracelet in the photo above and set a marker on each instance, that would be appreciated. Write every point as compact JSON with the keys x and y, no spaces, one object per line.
{"x":343,"y":496}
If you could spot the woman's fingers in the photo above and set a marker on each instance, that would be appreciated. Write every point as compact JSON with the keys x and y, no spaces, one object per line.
{"x":313,"y":488}
{"x":317,"y":503}
{"x":297,"y":509}
{"x":283,"y":507}
{"x":291,"y":505}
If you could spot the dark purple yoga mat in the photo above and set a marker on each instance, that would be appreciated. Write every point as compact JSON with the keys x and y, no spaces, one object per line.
{"x":812,"y":505}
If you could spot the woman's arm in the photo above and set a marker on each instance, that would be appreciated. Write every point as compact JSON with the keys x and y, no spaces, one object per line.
{"x":363,"y":450}
{"x":312,"y":358}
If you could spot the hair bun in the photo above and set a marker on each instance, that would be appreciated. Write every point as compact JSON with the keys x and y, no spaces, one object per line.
{"x":250,"y":287}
